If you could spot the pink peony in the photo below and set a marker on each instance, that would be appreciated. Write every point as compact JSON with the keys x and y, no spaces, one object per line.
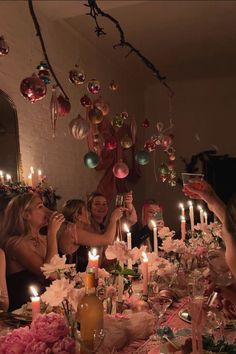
{"x":57,"y":292}
{"x":117,"y":250}
{"x":49,"y":328}
{"x":16,"y":341}
{"x":64,"y":346}
{"x":56,"y":264}
{"x":37,"y":347}
{"x":200,"y":250}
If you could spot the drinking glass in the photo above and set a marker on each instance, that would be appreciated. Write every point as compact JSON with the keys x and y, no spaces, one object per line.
{"x":194,"y":180}
{"x":159,"y":305}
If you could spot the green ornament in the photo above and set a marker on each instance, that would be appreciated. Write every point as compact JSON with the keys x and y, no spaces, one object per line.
{"x":118,"y":121}
{"x":142,"y":157}
{"x":91,"y":159}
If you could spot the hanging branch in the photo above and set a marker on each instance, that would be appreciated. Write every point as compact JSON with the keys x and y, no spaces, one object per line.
{"x":94,"y":12}
{"x":39,"y":34}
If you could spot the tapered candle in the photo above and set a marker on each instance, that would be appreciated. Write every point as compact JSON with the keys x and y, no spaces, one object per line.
{"x":35,"y":302}
{"x":145,"y":273}
{"x":201,"y":215}
{"x":155,"y":239}
{"x":30,"y":180}
{"x":8,"y":178}
{"x":33,"y":177}
{"x":129,"y":244}
{"x":120,"y":284}
{"x":205,"y":217}
{"x":182,"y":209}
{"x":183,"y":227}
{"x":39,"y":176}
{"x":191,"y":215}
{"x":1,"y":177}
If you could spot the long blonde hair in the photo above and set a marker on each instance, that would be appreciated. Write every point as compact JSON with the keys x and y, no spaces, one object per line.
{"x":72,"y":208}
{"x":14,"y":223}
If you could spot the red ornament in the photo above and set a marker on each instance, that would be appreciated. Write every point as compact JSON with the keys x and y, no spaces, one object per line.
{"x":64,"y":106}
{"x":146,"y":123}
{"x":172,"y":157}
{"x":150,"y":145}
{"x":4,"y":48}
{"x":110,"y":143}
{"x":33,"y":88}
{"x":85,"y":101}
{"x":113,"y":86}
{"x":93,"y":86}
{"x":166,"y":141}
{"x":103,"y":106}
{"x":76,"y":77}
{"x":120,"y":170}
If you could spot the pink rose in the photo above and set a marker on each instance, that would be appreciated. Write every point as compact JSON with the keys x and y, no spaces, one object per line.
{"x":64,"y":346}
{"x":16,"y":341}
{"x":37,"y":347}
{"x":49,"y":328}
{"x":200,"y":250}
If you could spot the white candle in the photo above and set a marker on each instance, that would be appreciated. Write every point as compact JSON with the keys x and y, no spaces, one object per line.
{"x":35,"y":302}
{"x":183,"y":227}
{"x":145,"y":273}
{"x":1,"y":177}
{"x":39,"y":176}
{"x":93,"y":261}
{"x":201,"y":215}
{"x":182,"y":209}
{"x":8,"y":178}
{"x":205,"y":217}
{"x":191,"y":215}
{"x":129,"y":244}
{"x":30,"y":180}
{"x":155,"y":239}
{"x":33,"y":177}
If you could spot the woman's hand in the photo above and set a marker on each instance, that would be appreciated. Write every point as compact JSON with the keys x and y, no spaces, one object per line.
{"x":117,"y":213}
{"x":199,"y":189}
{"x":128,"y":199}
{"x":55,"y":222}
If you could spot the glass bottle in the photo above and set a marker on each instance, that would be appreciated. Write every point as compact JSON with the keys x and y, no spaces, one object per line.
{"x":90,"y":315}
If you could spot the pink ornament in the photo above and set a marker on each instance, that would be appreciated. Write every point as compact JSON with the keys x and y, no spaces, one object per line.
{"x":86,"y":101}
{"x":124,"y":115}
{"x":79,"y":128}
{"x":113,"y":86}
{"x":64,"y":106}
{"x":110,"y":143}
{"x":120,"y":170}
{"x":166,"y":141}
{"x":94,"y":86}
{"x":33,"y":88}
{"x":146,"y":123}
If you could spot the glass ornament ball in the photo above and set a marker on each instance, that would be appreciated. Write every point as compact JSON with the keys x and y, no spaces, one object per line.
{"x":172,"y":182}
{"x":110,"y":143}
{"x":166,"y":141}
{"x":126,"y":142}
{"x":77,"y":77}
{"x":33,"y":88}
{"x":86,"y":101}
{"x":64,"y":106}
{"x":120,"y":170}
{"x":91,"y":159}
{"x":93,"y":86}
{"x":142,"y":157}
{"x":172,"y":157}
{"x":150,"y":145}
{"x":95,"y":115}
{"x":103,"y":106}
{"x":117,"y":121}
{"x":164,"y":170}
{"x":4,"y":47}
{"x":163,"y":178}
{"x":113,"y":86}
{"x":146,"y":123}
{"x":124,"y":115}
{"x":79,"y":128}
{"x":170,"y":150}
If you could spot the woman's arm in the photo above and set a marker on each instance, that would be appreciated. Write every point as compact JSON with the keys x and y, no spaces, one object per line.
{"x":74,"y":236}
{"x":130,"y":214}
{"x":4,"y":300}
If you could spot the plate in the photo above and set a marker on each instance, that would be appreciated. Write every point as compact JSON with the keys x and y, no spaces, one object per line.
{"x":185,"y":316}
{"x":13,"y":319}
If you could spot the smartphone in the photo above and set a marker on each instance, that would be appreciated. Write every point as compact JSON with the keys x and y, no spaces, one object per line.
{"x":158,"y":215}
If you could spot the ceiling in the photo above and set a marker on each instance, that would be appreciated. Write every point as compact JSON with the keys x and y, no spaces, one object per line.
{"x":185,"y":40}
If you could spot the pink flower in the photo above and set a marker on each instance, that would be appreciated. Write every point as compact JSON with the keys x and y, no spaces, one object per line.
{"x":16,"y":341}
{"x":49,"y":328}
{"x":165,"y":232}
{"x":56,"y":264}
{"x":102,"y":273}
{"x":117,"y":250}
{"x":75,"y":296}
{"x":110,"y":291}
{"x":37,"y":347}
{"x":177,"y":246}
{"x":200,"y":250}
{"x":136,"y":253}
{"x":57,"y":292}
{"x":64,"y":346}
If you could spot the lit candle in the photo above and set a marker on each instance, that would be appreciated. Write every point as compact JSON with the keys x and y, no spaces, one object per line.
{"x":129,"y":244}
{"x":32,"y":176}
{"x":1,"y":177}
{"x":182,"y":209}
{"x":155,"y":239}
{"x":30,"y":180}
{"x":39,"y":176}
{"x":191,"y":215}
{"x":93,"y":258}
{"x":201,"y":215}
{"x":145,"y":273}
{"x":8,"y":178}
{"x":35,"y":302}
{"x":183,"y":227}
{"x":205,"y":217}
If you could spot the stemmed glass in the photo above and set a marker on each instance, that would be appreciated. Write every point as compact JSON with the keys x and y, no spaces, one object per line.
{"x":159,"y":305}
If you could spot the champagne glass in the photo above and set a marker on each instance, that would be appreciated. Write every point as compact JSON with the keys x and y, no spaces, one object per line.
{"x":159,"y":305}
{"x":193,"y":180}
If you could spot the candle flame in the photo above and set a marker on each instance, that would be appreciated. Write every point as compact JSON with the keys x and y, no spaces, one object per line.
{"x":1,"y":174}
{"x":32,"y":169}
{"x":93,"y":254}
{"x":153,"y":223}
{"x":145,"y":258}
{"x":30,"y":176}
{"x":34,"y":291}
{"x":199,"y":207}
{"x":8,"y":177}
{"x":39,"y":173}
{"x":181,"y":205}
{"x":117,"y":239}
{"x":125,"y":227}
{"x":190,"y":203}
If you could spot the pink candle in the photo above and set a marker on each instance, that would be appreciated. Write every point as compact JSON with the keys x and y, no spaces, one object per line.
{"x":182,"y":209}
{"x":145,"y":273}
{"x":183,"y":227}
{"x":35,"y":303}
{"x":93,"y":261}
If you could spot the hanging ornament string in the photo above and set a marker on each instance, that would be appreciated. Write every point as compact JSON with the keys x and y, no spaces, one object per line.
{"x":39,"y":34}
{"x":94,"y":12}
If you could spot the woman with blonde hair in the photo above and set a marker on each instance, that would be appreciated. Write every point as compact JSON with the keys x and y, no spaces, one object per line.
{"x":25,"y":248}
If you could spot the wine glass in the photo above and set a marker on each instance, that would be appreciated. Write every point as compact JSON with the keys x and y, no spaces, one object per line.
{"x":93,"y":345}
{"x":159,"y":305}
{"x":194,"y":180}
